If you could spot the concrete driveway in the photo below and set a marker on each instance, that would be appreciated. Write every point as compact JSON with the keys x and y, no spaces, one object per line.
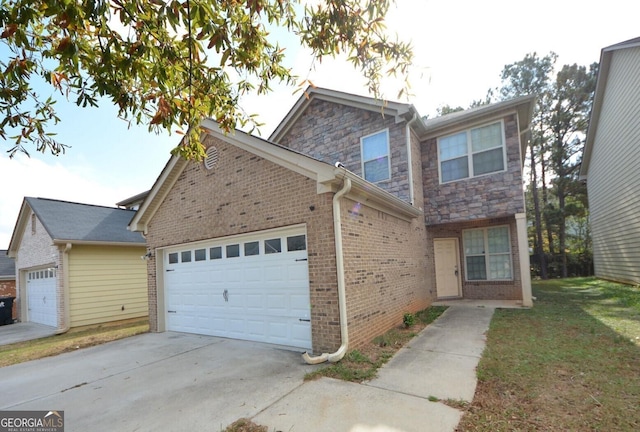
{"x":174,"y":382}
{"x":20,"y":332}
{"x":155,"y":382}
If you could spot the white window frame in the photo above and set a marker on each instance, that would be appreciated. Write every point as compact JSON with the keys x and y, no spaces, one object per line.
{"x":388,"y":155}
{"x":486,"y":254}
{"x":470,"y":153}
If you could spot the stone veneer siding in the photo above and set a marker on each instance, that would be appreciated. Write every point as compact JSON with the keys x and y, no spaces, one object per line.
{"x":331,"y":132}
{"x":483,"y":197}
{"x":245,"y":193}
{"x":482,"y":290}
{"x":37,"y":250}
{"x":385,"y":270}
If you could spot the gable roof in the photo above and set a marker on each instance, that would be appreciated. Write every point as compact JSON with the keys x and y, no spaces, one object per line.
{"x":401,"y":111}
{"x":69,"y":222}
{"x":328,"y":177}
{"x":601,"y":83}
{"x":7,"y":266}
{"x":131,"y":201}
{"x":522,"y":106}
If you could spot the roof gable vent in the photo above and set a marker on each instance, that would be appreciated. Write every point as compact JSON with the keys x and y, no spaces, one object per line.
{"x":211,"y":160}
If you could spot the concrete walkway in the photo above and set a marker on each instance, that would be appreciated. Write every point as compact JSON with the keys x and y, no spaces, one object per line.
{"x":20,"y":332}
{"x":439,"y":363}
{"x":172,"y":381}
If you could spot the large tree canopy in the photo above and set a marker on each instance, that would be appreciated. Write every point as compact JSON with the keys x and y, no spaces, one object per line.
{"x":169,"y":63}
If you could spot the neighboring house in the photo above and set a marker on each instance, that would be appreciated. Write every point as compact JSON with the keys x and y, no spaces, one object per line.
{"x":134,"y":202}
{"x":77,"y":264}
{"x":350,"y":215}
{"x":7,"y":278}
{"x":610,"y":164}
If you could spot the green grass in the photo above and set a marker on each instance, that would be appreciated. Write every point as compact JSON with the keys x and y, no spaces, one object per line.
{"x":362,"y":364}
{"x":572,"y":362}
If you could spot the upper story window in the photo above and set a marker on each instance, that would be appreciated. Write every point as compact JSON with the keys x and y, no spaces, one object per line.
{"x":375,"y":156}
{"x":472,"y":153}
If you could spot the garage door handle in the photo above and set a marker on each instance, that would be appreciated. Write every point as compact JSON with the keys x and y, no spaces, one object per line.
{"x":305,"y":320}
{"x":171,"y":311}
{"x":301,"y":259}
{"x":171,"y":269}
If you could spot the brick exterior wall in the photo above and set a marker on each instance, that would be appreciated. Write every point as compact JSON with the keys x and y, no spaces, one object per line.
{"x":385,"y":270}
{"x":8,"y":289}
{"x":331,"y":132}
{"x":482,"y":290}
{"x":245,"y":193}
{"x":37,"y":250}
{"x":483,"y":197}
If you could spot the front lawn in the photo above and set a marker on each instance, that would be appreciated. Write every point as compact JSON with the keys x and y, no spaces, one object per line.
{"x":571,"y":363}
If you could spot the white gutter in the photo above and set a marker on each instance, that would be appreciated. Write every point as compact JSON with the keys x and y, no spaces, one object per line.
{"x":65,"y":275}
{"x":342,"y":298}
{"x":409,"y":161}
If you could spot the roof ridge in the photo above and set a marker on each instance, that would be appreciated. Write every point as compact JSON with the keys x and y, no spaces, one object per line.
{"x":79,"y":203}
{"x":318,"y":89}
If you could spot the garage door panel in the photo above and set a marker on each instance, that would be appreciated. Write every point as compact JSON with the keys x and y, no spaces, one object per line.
{"x":299,"y":331}
{"x":42,"y":297}
{"x":299,"y":305}
{"x":274,"y":274}
{"x":261,"y":297}
{"x":236,"y":327}
{"x":278,"y":331}
{"x":253,"y":274}
{"x":233,"y":274}
{"x":255,"y":327}
{"x":297,"y":273}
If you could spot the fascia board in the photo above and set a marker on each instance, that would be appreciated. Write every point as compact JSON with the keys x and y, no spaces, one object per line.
{"x":481,"y":115}
{"x":596,"y":109}
{"x":326,"y":176}
{"x":371,"y":195}
{"x":158,"y":193}
{"x":394,"y":109}
{"x":18,"y":230}
{"x":304,"y":165}
{"x":97,"y":243}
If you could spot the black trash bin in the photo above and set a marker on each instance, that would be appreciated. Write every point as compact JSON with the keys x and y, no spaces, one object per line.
{"x":6,"y":308}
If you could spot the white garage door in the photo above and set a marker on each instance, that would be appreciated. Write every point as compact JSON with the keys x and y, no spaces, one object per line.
{"x":250,"y":287}
{"x":41,"y":297}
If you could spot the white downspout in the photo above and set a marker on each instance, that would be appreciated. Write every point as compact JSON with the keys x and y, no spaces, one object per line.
{"x":65,"y":288}
{"x":409,"y":159}
{"x":342,"y":298}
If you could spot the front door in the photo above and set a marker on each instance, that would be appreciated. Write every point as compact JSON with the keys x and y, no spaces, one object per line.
{"x":447,"y":260}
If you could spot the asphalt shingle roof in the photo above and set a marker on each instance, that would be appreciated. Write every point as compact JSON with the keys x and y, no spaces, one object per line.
{"x":84,"y":222}
{"x":7,"y":265}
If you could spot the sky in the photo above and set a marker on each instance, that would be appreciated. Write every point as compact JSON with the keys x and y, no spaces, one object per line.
{"x":460,"y":48}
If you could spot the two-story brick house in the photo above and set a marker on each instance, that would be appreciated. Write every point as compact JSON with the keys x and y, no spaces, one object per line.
{"x":351,"y":214}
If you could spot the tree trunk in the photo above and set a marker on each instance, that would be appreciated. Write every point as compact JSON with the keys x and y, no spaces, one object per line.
{"x":537,"y":221}
{"x":545,"y":203}
{"x":562,"y":229}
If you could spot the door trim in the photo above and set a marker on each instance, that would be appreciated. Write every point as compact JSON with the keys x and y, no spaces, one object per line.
{"x":456,"y":243}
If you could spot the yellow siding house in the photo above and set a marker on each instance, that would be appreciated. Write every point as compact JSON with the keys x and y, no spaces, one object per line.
{"x":77,"y":264}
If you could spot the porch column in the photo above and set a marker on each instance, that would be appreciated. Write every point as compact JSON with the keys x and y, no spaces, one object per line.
{"x":523,"y":252}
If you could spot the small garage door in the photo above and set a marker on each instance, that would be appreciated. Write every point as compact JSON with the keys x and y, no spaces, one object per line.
{"x":41,"y":297}
{"x":250,"y":287}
